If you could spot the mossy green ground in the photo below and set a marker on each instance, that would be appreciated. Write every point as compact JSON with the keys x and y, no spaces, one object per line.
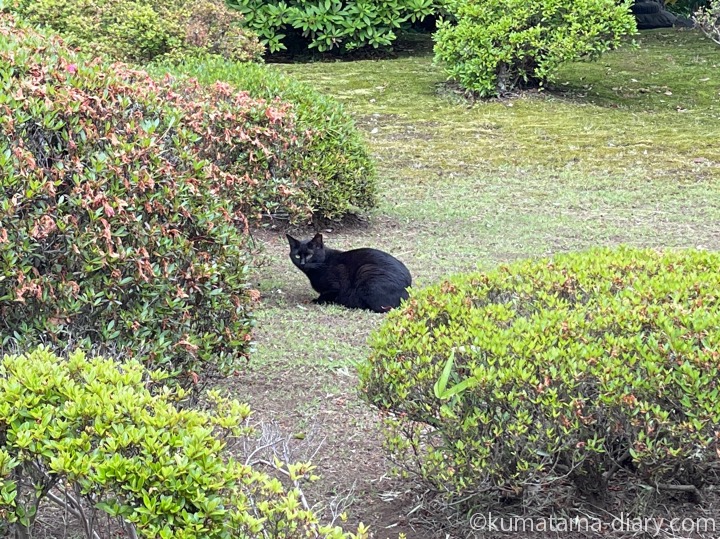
{"x":626,"y":150}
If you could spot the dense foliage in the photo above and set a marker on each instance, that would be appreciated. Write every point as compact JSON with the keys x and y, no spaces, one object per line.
{"x":93,"y":436}
{"x":332,"y":24}
{"x":708,"y":20}
{"x":121,"y":215}
{"x":685,"y":7}
{"x":493,"y":46}
{"x":549,"y":371}
{"x":138,"y":31}
{"x":336,"y":175}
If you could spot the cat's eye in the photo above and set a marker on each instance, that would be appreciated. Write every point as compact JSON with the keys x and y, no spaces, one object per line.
{"x":297,"y":256}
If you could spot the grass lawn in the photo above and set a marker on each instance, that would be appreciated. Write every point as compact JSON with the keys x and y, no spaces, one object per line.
{"x":626,"y":150}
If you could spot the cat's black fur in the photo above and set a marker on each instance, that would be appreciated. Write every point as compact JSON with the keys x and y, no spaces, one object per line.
{"x":358,"y":279}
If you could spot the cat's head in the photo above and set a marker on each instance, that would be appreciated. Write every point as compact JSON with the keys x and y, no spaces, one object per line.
{"x":305,"y":253}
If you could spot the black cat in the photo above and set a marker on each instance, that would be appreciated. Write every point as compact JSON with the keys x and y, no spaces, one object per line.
{"x":358,"y":279}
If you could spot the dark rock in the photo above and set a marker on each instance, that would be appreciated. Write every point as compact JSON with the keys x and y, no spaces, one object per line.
{"x":645,"y":8}
{"x":652,"y":14}
{"x":684,"y":22}
{"x":662,"y":19}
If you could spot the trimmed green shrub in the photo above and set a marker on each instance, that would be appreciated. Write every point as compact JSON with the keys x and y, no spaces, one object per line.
{"x":93,"y":436}
{"x":123,"y":202}
{"x":546,"y":372}
{"x":332,"y":24}
{"x":493,"y":46}
{"x":336,"y":175}
{"x":138,"y":31}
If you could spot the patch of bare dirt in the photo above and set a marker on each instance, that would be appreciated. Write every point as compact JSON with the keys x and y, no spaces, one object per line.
{"x":342,"y":435}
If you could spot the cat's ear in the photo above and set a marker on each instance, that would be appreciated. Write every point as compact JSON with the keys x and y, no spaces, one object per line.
{"x":318,"y":240}
{"x":292,"y":241}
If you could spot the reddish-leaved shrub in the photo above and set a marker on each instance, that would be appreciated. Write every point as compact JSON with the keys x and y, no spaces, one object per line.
{"x":123,"y":204}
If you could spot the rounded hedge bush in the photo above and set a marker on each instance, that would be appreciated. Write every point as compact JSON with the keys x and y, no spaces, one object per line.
{"x":123,"y":204}
{"x":336,"y":175}
{"x":492,"y":46}
{"x":547,"y":371}
{"x":139,"y":31}
{"x":93,"y":436}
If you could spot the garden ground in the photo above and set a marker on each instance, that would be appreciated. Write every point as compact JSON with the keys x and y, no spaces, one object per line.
{"x":624,"y":150}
